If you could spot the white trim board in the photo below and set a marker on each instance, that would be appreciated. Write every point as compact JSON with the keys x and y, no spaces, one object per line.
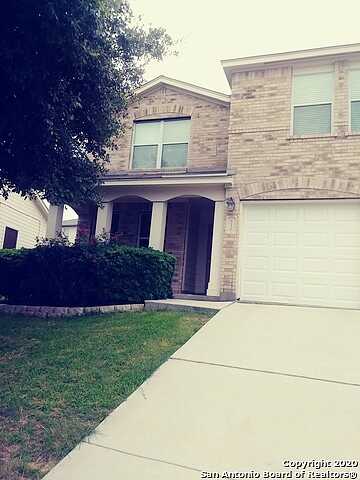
{"x":289,"y":58}
{"x":188,"y":87}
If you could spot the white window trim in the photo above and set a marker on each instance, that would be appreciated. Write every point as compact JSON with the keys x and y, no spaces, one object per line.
{"x":159,"y":145}
{"x":355,"y":68}
{"x":311,"y":71}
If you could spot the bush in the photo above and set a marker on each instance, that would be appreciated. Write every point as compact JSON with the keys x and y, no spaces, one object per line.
{"x":84,"y":275}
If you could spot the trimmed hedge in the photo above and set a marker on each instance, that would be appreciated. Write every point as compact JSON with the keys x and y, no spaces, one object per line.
{"x":84,"y":275}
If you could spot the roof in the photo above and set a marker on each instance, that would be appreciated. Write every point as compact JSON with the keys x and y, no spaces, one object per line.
{"x":261,"y":61}
{"x":188,"y":87}
{"x":42,"y":206}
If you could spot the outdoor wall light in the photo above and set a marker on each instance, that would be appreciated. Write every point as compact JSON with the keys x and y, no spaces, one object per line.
{"x":230,"y":204}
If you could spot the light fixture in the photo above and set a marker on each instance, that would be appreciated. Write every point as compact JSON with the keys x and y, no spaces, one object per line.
{"x":230,"y":204}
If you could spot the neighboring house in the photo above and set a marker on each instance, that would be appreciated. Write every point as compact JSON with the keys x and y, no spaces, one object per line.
{"x":22,"y":221}
{"x":256,"y":194}
{"x":69,"y":229}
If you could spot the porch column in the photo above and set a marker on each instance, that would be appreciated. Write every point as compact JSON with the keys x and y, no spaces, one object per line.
{"x":103,"y":219}
{"x":54,"y":223}
{"x":158,"y":224}
{"x":213,"y":289}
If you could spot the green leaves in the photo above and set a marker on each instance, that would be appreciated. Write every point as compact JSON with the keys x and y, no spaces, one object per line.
{"x":56,"y":274}
{"x":67,"y":71}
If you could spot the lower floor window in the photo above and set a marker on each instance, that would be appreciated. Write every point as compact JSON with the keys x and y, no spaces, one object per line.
{"x":10,"y":238}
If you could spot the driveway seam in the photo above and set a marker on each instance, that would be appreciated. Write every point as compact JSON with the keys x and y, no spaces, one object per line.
{"x":143,"y":457}
{"x":269,"y":372}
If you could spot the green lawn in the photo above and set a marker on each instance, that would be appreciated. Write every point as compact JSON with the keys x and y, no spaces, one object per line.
{"x":59,"y":378}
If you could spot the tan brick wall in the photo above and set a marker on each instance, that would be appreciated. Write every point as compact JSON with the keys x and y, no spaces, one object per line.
{"x":270,"y":164}
{"x":209,"y":127}
{"x":261,"y":149}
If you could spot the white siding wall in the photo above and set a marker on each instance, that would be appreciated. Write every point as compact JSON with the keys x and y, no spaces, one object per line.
{"x":23,"y":215}
{"x":70,"y":232}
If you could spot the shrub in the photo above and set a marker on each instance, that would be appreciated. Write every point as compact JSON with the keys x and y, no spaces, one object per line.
{"x":83,"y":275}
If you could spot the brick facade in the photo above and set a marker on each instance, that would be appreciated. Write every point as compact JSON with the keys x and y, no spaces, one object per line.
{"x":209,"y":127}
{"x":251,"y":137}
{"x":271,"y":164}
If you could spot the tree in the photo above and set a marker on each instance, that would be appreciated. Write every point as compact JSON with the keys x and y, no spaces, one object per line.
{"x":68,"y":69}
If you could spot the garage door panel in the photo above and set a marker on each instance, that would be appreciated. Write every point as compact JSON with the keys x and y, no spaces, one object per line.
{"x":346,"y":293}
{"x":347,"y":265}
{"x":284,"y":264}
{"x":287,"y":239}
{"x":347,"y":239}
{"x":283,"y":290}
{"x":316,"y":215}
{"x":350,"y":215}
{"x":285,"y":215}
{"x":311,"y":292}
{"x":258,"y":238}
{"x":316,"y":239}
{"x":258,"y":216}
{"x":256,"y":263}
{"x":301,"y":252}
{"x":316,"y":264}
{"x":255,"y":290}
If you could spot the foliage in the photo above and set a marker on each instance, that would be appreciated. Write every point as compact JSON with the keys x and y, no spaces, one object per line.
{"x":56,"y":274}
{"x":68,"y":69}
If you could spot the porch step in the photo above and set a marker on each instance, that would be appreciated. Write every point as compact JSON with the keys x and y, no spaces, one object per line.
{"x":201,"y":306}
{"x":191,"y":296}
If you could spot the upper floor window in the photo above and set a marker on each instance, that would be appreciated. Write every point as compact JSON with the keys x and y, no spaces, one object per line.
{"x":354,"y":84}
{"x":160,"y":143}
{"x":312,"y":101}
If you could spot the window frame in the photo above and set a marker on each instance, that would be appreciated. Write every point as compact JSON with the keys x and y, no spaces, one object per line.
{"x":312,"y":71}
{"x":353,"y":68}
{"x":16,"y":233}
{"x":160,"y":145}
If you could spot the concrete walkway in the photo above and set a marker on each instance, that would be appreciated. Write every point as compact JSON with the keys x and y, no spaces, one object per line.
{"x":256,"y":386}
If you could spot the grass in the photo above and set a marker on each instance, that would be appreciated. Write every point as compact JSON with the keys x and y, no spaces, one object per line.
{"x":59,"y":378}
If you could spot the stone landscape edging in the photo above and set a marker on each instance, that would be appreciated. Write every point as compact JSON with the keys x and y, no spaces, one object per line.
{"x":50,"y":312}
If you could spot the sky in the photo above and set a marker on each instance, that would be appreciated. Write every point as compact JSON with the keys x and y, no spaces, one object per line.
{"x":209,"y":31}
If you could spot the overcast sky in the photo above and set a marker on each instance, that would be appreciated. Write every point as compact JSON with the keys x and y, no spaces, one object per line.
{"x":210,"y":31}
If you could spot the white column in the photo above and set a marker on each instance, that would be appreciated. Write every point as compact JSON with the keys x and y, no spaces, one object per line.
{"x":103,"y":219}
{"x":54,"y":223}
{"x":216,"y":250}
{"x":158,"y":224}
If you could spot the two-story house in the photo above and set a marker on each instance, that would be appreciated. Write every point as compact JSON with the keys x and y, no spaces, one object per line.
{"x":256,"y":194}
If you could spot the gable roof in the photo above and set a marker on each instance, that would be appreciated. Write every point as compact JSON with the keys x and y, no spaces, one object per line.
{"x":261,"y":61}
{"x":187,"y":87}
{"x":42,"y":206}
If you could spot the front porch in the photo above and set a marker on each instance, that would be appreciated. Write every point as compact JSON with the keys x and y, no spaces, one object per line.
{"x":187,"y":235}
{"x":182,"y":219}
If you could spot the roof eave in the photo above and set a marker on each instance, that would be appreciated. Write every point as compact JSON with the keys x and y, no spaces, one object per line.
{"x":276,"y":59}
{"x":185,"y":86}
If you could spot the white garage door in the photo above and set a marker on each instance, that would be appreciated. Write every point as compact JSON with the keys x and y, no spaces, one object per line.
{"x":301,"y":252}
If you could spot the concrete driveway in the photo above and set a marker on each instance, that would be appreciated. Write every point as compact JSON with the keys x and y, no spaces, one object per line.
{"x":258,"y":386}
